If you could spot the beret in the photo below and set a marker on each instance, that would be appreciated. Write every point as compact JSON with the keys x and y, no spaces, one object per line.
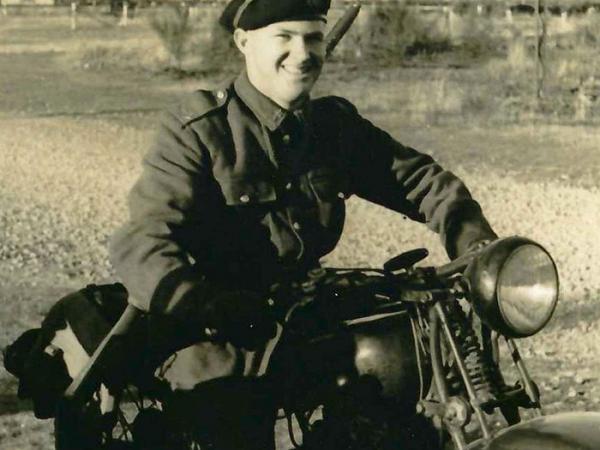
{"x":253,"y":14}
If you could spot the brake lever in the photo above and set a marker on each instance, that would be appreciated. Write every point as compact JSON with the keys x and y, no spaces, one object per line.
{"x":406,"y":260}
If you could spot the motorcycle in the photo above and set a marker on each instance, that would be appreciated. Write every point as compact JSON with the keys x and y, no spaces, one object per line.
{"x":404,"y":356}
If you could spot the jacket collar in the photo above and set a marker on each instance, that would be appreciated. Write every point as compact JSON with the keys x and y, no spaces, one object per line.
{"x":266,"y":110}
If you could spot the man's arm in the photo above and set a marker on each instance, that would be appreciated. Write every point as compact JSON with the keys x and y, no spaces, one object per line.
{"x":400,"y":178}
{"x":145,"y":252}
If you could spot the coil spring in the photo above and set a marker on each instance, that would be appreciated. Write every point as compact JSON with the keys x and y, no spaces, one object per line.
{"x":482,"y":371}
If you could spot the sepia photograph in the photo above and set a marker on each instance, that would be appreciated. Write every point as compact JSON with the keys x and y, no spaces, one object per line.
{"x":299,"y":224}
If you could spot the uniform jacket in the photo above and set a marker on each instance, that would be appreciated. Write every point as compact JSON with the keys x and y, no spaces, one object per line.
{"x":236,"y":192}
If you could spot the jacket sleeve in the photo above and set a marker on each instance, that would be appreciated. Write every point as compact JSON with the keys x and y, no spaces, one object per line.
{"x":400,"y":178}
{"x":145,"y":252}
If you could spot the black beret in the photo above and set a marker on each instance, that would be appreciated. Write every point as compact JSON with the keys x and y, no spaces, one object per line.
{"x":253,"y":14}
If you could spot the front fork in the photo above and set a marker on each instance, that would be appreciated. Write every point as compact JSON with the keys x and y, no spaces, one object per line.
{"x":481,"y":379}
{"x":454,"y":415}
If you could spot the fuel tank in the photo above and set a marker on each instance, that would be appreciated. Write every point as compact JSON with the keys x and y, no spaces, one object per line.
{"x":374,"y":354}
{"x":565,"y":431}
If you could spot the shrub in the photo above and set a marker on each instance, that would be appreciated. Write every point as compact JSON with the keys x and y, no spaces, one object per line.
{"x":388,"y":31}
{"x":473,"y":36}
{"x":429,"y":37}
{"x":384,"y":34}
{"x":216,"y":52}
{"x":393,"y":32}
{"x":173,"y":28}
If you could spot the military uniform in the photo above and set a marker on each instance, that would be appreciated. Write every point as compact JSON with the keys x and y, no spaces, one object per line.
{"x":236,"y":193}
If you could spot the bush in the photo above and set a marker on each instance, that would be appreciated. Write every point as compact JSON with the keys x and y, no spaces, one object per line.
{"x":473,"y":36}
{"x":389,"y":31}
{"x":172,"y":26}
{"x":385,"y":34}
{"x":215,"y":52}
{"x":394,"y":32}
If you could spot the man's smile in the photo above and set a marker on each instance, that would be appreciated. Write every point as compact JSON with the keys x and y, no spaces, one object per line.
{"x":295,"y":70}
{"x":302,"y":71}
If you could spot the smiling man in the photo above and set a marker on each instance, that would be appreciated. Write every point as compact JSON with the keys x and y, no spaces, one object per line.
{"x":283,"y":59}
{"x":245,"y":187}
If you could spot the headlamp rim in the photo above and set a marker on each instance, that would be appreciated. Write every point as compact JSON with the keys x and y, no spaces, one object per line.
{"x":482,"y":276}
{"x":504,"y":317}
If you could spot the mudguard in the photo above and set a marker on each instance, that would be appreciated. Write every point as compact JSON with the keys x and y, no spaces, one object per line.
{"x":565,"y":431}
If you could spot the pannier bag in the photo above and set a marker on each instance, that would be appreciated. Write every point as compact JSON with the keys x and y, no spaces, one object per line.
{"x":77,"y":322}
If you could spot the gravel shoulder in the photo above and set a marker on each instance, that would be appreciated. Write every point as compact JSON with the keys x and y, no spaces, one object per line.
{"x":64,"y":183}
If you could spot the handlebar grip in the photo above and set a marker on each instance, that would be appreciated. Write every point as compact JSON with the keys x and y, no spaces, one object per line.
{"x":457,"y":265}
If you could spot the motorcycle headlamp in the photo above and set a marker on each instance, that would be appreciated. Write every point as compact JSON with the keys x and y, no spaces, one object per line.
{"x":514,"y":286}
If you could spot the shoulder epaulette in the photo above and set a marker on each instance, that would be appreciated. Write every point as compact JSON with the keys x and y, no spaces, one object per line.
{"x":201,"y":103}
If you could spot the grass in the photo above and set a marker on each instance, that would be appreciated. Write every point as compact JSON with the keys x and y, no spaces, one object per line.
{"x":446,"y":65}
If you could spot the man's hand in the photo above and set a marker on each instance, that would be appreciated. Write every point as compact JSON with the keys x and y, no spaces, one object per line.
{"x":243,"y":318}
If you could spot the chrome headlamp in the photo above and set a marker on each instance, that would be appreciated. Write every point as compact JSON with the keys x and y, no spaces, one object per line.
{"x":513,"y":285}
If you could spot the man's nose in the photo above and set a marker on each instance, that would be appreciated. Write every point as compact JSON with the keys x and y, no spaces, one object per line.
{"x":300,"y":50}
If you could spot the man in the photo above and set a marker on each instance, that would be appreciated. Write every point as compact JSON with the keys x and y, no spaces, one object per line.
{"x":245,"y":186}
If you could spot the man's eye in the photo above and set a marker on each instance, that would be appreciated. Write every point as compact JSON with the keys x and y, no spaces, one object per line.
{"x":283,"y":37}
{"x":317,"y":39}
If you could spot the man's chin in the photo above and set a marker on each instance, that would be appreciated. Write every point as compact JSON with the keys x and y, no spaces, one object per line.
{"x":301,"y":86}
{"x":295,"y":90}
{"x":296,"y":99}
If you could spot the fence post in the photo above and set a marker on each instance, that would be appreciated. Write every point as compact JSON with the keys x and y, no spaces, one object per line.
{"x":564,"y":16}
{"x":125,"y":13}
{"x":447,"y":20}
{"x":73,"y":15}
{"x":539,"y":49}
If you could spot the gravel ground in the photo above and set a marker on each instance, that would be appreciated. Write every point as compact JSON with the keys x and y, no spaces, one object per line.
{"x":63,"y":191}
{"x":64,"y":183}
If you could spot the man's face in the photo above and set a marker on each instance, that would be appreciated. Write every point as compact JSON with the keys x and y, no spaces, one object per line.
{"x":284,"y":59}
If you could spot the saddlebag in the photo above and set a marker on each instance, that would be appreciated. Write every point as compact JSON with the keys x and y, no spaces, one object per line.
{"x":38,"y":360}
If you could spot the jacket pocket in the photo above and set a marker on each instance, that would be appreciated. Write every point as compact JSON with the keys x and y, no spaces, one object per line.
{"x":244,"y":191}
{"x":327,"y":185}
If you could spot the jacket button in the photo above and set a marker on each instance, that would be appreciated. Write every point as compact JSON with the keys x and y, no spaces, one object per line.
{"x":286,"y":139}
{"x":296,"y":226}
{"x":220,"y":95}
{"x":341,"y":195}
{"x":245,"y":198}
{"x":288,"y":186}
{"x":210,"y":332}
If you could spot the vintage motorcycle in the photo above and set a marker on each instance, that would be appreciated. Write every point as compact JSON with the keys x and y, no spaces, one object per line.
{"x":398,"y":357}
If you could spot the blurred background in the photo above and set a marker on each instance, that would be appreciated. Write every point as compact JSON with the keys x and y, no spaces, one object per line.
{"x":504,"y":93}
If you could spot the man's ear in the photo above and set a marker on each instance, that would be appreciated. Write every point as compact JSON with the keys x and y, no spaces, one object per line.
{"x":240,"y":37}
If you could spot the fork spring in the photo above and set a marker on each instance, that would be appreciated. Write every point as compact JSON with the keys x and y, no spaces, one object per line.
{"x":482,"y":371}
